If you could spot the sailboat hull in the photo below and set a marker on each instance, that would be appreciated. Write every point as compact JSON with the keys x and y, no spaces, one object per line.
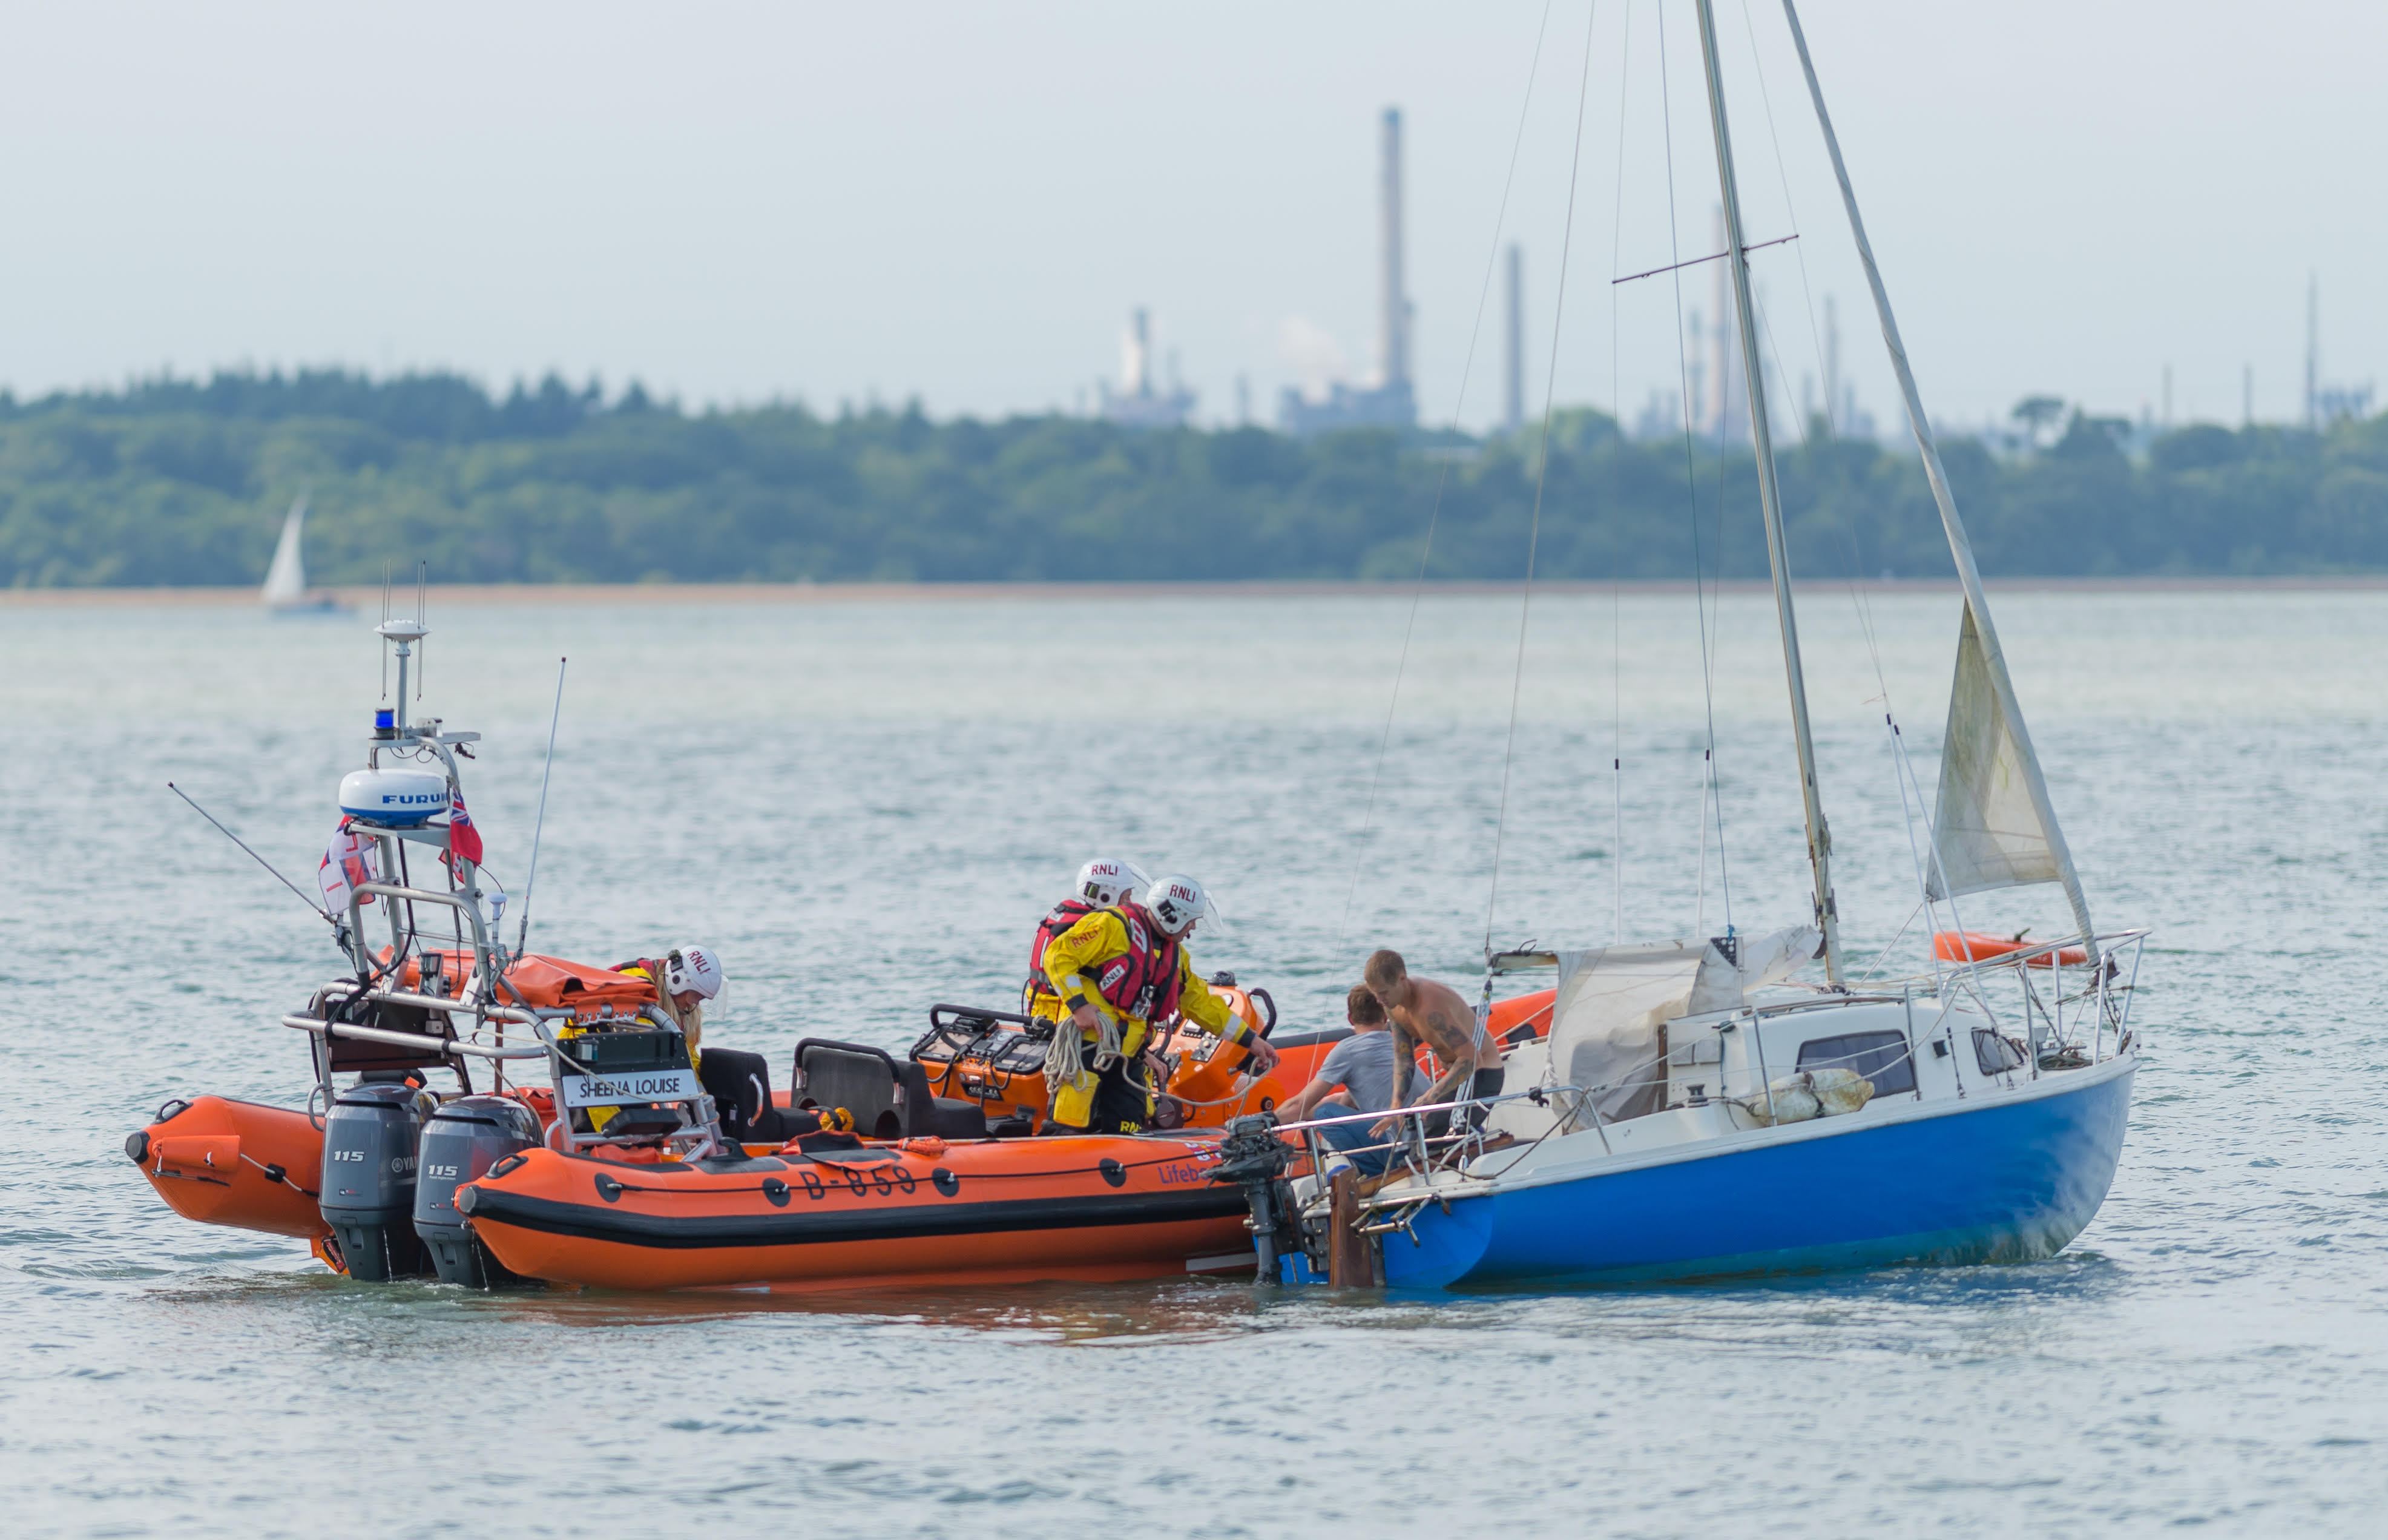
{"x":2006,"y":1179}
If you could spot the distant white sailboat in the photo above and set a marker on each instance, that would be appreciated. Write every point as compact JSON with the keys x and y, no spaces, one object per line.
{"x":285,"y":590}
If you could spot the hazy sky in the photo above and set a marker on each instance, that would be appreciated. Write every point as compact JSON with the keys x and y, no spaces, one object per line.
{"x":733,"y":202}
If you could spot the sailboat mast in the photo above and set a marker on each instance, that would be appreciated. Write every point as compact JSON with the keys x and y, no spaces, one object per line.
{"x":1960,"y":548}
{"x":1770,"y":499}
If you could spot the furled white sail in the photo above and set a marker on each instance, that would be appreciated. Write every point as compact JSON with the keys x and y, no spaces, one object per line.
{"x":285,"y":580}
{"x":1988,"y":830}
{"x":1609,"y":1024}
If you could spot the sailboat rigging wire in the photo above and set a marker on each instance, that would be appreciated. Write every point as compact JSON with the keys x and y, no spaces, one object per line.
{"x":1692,"y":495}
{"x":1899,"y":935}
{"x":1783,"y":173}
{"x":522,"y":929}
{"x":1617,"y":492}
{"x":1956,"y":920}
{"x":1442,"y":481}
{"x":1906,"y":811}
{"x":1541,"y":478}
{"x":1959,"y":548}
{"x":312,"y":904}
{"x":1901,"y":772}
{"x":1694,"y":261}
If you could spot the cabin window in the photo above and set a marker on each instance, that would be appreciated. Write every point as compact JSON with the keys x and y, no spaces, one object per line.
{"x":1994,"y":1053}
{"x":1881,"y":1057}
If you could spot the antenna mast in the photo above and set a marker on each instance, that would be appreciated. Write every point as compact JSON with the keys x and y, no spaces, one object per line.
{"x":1770,"y":499}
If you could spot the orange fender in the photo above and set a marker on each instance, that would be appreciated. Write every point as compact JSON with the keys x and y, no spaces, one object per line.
{"x":1981,"y":946}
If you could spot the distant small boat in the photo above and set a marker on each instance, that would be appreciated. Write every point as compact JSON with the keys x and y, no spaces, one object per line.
{"x":286,"y":591}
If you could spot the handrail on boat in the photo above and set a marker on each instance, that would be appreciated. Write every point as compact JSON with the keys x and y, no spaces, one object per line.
{"x":2106,"y":941}
{"x":420,"y":1041}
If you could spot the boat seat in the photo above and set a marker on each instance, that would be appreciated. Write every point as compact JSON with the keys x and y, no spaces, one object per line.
{"x":739,"y":1083}
{"x":889,"y":1097}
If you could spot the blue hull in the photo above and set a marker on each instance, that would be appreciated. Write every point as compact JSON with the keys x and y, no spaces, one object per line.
{"x":1989,"y":1180}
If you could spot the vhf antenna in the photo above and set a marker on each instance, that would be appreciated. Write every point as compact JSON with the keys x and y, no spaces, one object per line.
{"x":522,"y":930}
{"x":320,"y":912}
{"x":422,"y":582}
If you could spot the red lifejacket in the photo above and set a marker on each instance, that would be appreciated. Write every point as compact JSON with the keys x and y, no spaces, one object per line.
{"x":1142,"y":984}
{"x":1068,"y":912}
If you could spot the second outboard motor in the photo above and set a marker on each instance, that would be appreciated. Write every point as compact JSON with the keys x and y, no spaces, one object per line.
{"x":460,"y":1142}
{"x":368,"y":1187}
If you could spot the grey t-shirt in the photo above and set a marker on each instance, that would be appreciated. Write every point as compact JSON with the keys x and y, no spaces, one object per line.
{"x":1363,"y":1064}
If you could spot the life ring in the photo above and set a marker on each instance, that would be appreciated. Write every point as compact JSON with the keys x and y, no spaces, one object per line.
{"x":1982,"y":946}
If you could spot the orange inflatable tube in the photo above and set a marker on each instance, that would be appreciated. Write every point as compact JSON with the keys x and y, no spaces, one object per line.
{"x":1533,"y":1011}
{"x":234,"y":1162}
{"x":1092,"y":1208}
{"x":1981,"y":946}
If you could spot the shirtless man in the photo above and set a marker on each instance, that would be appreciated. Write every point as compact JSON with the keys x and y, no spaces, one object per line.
{"x":1425,"y":1011}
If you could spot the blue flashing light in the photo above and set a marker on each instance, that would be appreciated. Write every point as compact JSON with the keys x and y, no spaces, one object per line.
{"x":385,"y":718}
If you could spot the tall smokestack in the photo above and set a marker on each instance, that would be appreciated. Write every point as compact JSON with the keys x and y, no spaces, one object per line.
{"x":1513,"y":403}
{"x":1728,"y":392}
{"x":1837,"y":416}
{"x":2313,"y":351}
{"x":1136,"y":354}
{"x":1395,"y":322}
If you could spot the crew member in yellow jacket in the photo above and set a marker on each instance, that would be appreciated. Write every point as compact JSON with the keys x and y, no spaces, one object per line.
{"x":1114,"y":974}
{"x":684,"y":979}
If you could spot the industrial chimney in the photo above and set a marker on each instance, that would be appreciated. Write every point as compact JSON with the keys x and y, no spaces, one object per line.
{"x":1512,"y":397}
{"x":1391,"y":402}
{"x":1395,"y":321}
{"x":1135,"y":355}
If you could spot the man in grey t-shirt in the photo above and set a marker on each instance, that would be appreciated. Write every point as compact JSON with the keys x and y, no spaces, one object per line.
{"x":1362,"y":1064}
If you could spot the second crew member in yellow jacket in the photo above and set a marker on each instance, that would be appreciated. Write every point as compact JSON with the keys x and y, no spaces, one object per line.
{"x":1114,"y":974}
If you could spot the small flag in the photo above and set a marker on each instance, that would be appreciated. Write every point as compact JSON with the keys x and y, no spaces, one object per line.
{"x":464,"y":840}
{"x":348,"y":863}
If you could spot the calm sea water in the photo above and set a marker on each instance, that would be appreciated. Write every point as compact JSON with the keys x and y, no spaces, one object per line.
{"x":865,"y":806}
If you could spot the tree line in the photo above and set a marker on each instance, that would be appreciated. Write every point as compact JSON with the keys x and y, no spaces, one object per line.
{"x":174,"y":482}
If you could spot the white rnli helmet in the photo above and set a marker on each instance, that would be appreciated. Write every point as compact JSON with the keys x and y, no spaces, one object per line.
{"x":1176,"y":903}
{"x":1108,"y":882}
{"x":692,"y":970}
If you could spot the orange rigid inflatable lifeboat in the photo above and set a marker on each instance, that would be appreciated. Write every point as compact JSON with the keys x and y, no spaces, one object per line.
{"x":919,"y":1211}
{"x":644,"y":1162}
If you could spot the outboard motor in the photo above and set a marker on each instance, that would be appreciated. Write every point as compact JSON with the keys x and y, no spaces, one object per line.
{"x":368,"y":1184}
{"x":1253,"y":1156}
{"x":462,"y":1140}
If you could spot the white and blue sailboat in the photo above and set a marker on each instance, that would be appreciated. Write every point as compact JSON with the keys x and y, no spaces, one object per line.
{"x":1695,"y":1111}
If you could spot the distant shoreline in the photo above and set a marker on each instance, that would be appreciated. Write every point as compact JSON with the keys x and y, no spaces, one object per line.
{"x":368,"y":598}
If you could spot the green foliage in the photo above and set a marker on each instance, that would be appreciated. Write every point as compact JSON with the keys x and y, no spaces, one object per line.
{"x":174,"y":482}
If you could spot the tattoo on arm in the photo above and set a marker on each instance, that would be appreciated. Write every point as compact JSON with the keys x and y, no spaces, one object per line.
{"x":1453,"y":1043}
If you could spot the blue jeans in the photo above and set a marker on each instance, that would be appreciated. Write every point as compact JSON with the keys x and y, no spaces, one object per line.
{"x":1369,"y":1153}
